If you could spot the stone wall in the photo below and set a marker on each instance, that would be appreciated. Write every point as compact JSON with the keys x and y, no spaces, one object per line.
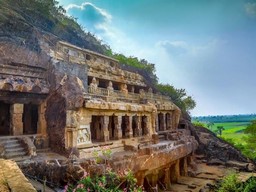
{"x":56,"y":122}
{"x":72,"y":69}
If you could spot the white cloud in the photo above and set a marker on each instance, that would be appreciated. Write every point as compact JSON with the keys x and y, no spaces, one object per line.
{"x":250,"y":9}
{"x":86,"y":5}
{"x":99,"y":22}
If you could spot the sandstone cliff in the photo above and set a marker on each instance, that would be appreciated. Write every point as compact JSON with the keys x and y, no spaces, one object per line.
{"x":215,"y":150}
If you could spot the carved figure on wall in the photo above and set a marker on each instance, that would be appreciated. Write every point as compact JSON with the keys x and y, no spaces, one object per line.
{"x":142,"y":93}
{"x":124,"y":89}
{"x":83,"y":136}
{"x":110,"y":86}
{"x":93,"y":85}
{"x":8,"y":84}
{"x":36,"y":87}
{"x":150,"y":92}
{"x":132,"y":89}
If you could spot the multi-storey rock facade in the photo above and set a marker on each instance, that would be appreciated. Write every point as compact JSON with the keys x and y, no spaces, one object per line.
{"x":75,"y":98}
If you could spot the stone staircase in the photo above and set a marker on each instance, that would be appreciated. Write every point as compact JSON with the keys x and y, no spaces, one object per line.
{"x":14,"y":149}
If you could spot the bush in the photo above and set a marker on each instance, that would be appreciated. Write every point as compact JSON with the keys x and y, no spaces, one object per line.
{"x":250,"y":185}
{"x":110,"y":182}
{"x":230,"y":183}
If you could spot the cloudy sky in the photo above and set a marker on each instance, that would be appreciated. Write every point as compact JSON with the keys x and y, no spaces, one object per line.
{"x":207,"y":47}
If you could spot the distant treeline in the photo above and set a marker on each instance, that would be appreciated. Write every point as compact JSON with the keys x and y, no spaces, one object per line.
{"x":225,"y":118}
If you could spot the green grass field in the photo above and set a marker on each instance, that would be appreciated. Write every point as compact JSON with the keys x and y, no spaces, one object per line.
{"x":233,"y":130}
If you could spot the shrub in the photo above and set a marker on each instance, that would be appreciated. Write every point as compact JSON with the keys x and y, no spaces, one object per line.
{"x":230,"y":183}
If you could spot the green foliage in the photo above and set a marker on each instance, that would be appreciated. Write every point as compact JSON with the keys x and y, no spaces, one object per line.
{"x":251,"y":140}
{"x":110,"y":182}
{"x":199,"y":124}
{"x":210,"y":125}
{"x":250,"y":185}
{"x":251,"y":128}
{"x":219,"y":130}
{"x":178,"y":96}
{"x":230,"y":183}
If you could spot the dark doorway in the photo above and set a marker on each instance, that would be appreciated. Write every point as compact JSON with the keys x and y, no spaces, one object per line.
{"x":161,"y":121}
{"x":112,"y":127}
{"x":4,"y":119}
{"x":96,"y":129}
{"x":125,"y":126}
{"x":30,"y":119}
{"x":144,"y":125}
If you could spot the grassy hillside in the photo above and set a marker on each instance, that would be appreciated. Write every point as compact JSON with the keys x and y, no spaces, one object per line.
{"x":20,"y":20}
{"x":233,"y":131}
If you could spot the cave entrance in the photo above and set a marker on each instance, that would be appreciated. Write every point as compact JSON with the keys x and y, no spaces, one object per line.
{"x":30,"y":119}
{"x":112,"y":127}
{"x":4,"y":119}
{"x":144,"y":125}
{"x":97,"y":129}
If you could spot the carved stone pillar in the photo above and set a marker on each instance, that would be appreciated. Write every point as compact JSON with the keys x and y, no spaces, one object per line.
{"x":41,"y":124}
{"x":175,"y":172}
{"x":139,"y":126}
{"x":157,"y":124}
{"x":168,"y":121}
{"x":118,"y":130}
{"x":136,"y":129}
{"x":105,"y":128}
{"x":184,"y":168}
{"x":154,"y":179}
{"x":164,"y":122}
{"x":129,"y":128}
{"x":140,"y":177}
{"x":145,"y":125}
{"x":16,"y":112}
{"x":167,"y":179}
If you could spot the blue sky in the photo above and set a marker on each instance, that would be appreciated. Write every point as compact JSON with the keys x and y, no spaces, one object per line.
{"x":207,"y":47}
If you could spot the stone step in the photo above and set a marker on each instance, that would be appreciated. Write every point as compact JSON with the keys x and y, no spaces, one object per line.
{"x":21,"y":158}
{"x":9,"y":142}
{"x":14,"y":149}
{"x":8,"y":146}
{"x":15,"y":154}
{"x":43,"y":150}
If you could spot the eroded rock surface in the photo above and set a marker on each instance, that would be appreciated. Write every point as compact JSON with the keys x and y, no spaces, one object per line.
{"x":12,"y":179}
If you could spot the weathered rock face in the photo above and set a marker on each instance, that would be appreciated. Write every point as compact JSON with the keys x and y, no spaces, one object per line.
{"x":216,"y":150}
{"x":55,"y":174}
{"x":214,"y":147}
{"x":12,"y":179}
{"x":56,"y":122}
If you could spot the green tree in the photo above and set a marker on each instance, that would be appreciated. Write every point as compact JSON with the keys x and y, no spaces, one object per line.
{"x":210,"y":125}
{"x":219,"y":130}
{"x":251,"y":140}
{"x":178,"y":96}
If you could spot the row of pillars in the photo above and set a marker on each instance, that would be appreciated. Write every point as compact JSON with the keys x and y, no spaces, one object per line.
{"x":166,"y":176}
{"x":164,"y":121}
{"x":105,"y":128}
{"x":17,"y":119}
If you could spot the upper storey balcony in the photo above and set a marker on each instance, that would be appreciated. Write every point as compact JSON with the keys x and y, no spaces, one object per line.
{"x":112,"y":95}
{"x":99,"y":66}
